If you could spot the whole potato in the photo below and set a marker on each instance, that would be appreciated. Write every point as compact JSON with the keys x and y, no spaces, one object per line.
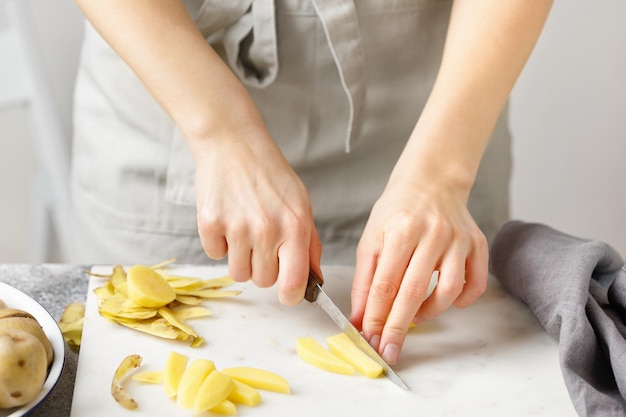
{"x":23,"y":367}
{"x":11,"y":318}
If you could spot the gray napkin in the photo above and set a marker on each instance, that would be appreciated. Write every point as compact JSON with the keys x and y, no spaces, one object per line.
{"x":577,"y":290}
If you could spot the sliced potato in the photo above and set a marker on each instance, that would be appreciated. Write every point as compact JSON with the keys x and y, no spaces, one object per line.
{"x":315,"y":354}
{"x":149,"y":377}
{"x":341,"y":345}
{"x":148,"y":288}
{"x":175,"y":366}
{"x":259,"y":378}
{"x":245,"y":394}
{"x":214,"y":389}
{"x":190,"y":382}
{"x":117,"y":389}
{"x":225,"y":408}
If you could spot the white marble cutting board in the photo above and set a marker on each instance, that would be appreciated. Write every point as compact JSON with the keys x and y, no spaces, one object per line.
{"x":492,"y":359}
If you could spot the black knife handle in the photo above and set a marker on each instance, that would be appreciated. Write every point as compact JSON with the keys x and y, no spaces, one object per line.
{"x":311,"y":287}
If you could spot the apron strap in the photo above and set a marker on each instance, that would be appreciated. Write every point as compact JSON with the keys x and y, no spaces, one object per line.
{"x":341,"y":27}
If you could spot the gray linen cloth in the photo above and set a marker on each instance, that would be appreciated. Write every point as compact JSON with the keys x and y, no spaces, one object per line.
{"x":577,"y":290}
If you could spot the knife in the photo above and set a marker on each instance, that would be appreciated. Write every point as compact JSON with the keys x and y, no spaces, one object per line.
{"x":315,"y":293}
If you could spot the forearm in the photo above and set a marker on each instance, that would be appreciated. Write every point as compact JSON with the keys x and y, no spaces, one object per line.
{"x":160,"y":42}
{"x":487,"y":45}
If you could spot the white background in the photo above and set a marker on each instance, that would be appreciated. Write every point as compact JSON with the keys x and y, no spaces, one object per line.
{"x":568,"y":118}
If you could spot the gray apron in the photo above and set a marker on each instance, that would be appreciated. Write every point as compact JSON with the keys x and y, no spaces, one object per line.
{"x":340,"y":85}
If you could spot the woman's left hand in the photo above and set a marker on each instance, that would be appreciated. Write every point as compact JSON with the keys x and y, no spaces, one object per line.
{"x":417,"y":227}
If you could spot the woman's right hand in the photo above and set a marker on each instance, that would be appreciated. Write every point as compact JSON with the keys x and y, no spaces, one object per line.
{"x":253,"y":206}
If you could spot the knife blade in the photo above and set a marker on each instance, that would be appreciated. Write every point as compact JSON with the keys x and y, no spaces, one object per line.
{"x":315,"y":293}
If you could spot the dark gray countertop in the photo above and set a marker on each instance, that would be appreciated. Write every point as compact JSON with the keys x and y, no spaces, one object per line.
{"x":52,"y":286}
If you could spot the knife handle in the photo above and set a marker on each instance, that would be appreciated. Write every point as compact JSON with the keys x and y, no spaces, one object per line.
{"x":312,"y":288}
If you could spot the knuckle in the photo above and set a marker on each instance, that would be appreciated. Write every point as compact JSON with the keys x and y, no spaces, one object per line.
{"x":208,"y":222}
{"x":450,"y":289}
{"x":480,"y":285}
{"x":384,"y":290}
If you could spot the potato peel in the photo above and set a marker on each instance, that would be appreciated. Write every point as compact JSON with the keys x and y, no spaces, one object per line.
{"x":71,"y":324}
{"x":118,"y":391}
{"x":167,"y":321}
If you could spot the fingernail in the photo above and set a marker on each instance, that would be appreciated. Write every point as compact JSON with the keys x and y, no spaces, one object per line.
{"x":391,"y":353}
{"x":375,"y":341}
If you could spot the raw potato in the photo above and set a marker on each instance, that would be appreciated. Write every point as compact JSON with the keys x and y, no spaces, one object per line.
{"x":148,"y":288}
{"x":174,"y":368}
{"x":23,"y":367}
{"x":11,"y":318}
{"x":245,"y":394}
{"x":25,"y":355}
{"x":191,"y":381}
{"x":341,"y":345}
{"x":214,"y":389}
{"x":208,"y":389}
{"x":226,"y":408}
{"x":149,"y":377}
{"x":259,"y":378}
{"x":317,"y":355}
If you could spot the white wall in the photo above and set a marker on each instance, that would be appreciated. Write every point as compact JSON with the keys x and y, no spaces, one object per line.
{"x":57,"y":28}
{"x":568,"y":116}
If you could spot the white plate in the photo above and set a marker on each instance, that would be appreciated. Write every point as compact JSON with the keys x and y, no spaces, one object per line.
{"x":15,"y":298}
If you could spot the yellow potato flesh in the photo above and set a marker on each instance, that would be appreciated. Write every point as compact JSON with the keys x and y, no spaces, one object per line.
{"x":191,"y":381}
{"x":149,"y":377}
{"x":341,"y":345}
{"x":175,"y":366}
{"x":245,"y":394}
{"x":215,"y":389}
{"x":226,"y":408}
{"x":315,"y":354}
{"x":259,"y":378}
{"x":147,"y":287}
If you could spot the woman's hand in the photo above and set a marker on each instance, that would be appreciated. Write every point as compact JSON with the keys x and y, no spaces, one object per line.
{"x":417,"y":226}
{"x":421,"y":223}
{"x":252,"y":205}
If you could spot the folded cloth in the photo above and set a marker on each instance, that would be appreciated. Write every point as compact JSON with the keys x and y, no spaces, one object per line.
{"x":577,"y":290}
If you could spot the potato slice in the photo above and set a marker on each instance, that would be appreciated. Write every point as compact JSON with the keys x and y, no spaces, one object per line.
{"x":148,"y":288}
{"x":190,"y":382}
{"x":225,"y":408}
{"x":149,"y":377}
{"x":341,"y":345}
{"x":259,"y":378}
{"x":215,"y":389}
{"x":186,"y":313}
{"x":118,"y":391}
{"x":315,"y":354}
{"x":175,"y":366}
{"x":244,"y":394}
